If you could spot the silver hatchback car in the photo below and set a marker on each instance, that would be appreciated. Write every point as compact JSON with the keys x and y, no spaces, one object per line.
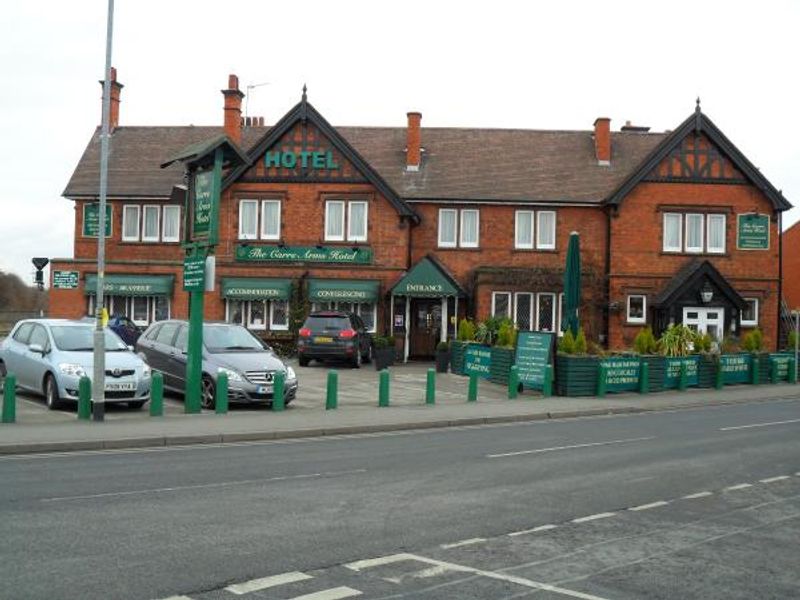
{"x":49,"y":356}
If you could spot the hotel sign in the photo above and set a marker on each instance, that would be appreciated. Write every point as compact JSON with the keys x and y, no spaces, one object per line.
{"x":91,"y":219}
{"x":752,"y":232}
{"x":203,"y":208}
{"x":65,"y":280}
{"x":359,"y":256}
{"x":306,"y":159}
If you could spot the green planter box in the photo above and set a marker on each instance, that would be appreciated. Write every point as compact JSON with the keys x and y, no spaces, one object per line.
{"x":457,"y":357}
{"x":576,"y":375}
{"x":502,"y":361}
{"x":735,"y":368}
{"x":656,"y":370}
{"x":706,"y":371}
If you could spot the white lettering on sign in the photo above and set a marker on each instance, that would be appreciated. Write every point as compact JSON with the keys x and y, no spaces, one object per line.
{"x":424,"y":287}
{"x":266,"y":293}
{"x":341,"y":294}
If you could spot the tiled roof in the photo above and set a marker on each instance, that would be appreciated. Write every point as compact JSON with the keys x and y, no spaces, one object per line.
{"x":458,"y":164}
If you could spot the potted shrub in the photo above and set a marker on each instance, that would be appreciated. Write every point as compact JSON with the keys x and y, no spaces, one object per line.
{"x":646,"y":346}
{"x":466,"y":334}
{"x":503,"y":354}
{"x":442,"y":357}
{"x":383,"y":352}
{"x":576,"y":370}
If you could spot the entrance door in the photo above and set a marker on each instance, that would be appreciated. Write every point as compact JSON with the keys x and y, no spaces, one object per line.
{"x":426,"y":324}
{"x":705,"y":320}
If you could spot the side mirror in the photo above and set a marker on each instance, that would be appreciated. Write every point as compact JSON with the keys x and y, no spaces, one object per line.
{"x":37,"y":348}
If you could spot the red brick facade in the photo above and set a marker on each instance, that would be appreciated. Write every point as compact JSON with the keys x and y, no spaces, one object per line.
{"x":791,"y":266}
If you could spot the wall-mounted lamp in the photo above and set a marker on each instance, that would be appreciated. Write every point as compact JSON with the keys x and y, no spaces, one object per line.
{"x":707,"y":293}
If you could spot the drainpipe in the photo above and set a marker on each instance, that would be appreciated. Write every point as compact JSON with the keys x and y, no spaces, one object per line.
{"x":780,"y":280}
{"x":607,"y":291}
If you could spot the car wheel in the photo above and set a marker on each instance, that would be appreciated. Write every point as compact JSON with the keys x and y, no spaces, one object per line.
{"x":137,"y":405}
{"x":208,"y":392}
{"x":51,"y":392}
{"x":356,"y":360}
{"x":303,"y":362}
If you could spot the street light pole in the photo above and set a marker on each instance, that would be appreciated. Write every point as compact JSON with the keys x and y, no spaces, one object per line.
{"x":98,"y":380}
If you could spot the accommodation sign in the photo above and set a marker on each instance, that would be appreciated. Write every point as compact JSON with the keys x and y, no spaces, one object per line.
{"x":478,"y":360}
{"x":534,"y":349}
{"x":91,"y":219}
{"x":622,"y":374}
{"x":672,"y":370}
{"x":359,"y":256}
{"x":752,"y":232}
{"x":65,"y":280}
{"x":317,"y":160}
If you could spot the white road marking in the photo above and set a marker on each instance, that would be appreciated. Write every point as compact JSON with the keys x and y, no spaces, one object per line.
{"x":177,"y":598}
{"x":604,"y":515}
{"x":423,"y":574}
{"x":760,"y":425}
{"x":263,"y":583}
{"x":649,"y":506}
{"x":740,"y":486}
{"x":534,"y":530}
{"x":202,"y":486}
{"x":463,"y":543}
{"x":368,"y":563}
{"x":774,"y":479}
{"x":556,"y":448}
{"x":697,"y":495}
{"x":332,"y":594}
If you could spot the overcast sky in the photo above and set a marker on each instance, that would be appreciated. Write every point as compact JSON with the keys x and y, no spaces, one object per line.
{"x":539,"y":65}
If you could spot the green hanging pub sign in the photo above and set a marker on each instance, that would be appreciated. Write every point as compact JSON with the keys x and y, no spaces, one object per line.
{"x":334,"y":254}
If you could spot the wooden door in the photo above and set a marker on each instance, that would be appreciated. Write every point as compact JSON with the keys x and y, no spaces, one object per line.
{"x":426,"y":323}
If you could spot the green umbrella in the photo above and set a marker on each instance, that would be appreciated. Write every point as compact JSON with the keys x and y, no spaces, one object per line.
{"x":572,"y":285}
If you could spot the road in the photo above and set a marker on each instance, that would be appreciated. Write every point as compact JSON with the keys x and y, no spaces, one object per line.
{"x":700,"y":503}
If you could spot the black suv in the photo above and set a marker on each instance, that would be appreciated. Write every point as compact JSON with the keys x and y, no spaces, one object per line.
{"x":334,"y":335}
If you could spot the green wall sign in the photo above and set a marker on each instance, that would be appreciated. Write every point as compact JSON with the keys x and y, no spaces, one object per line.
{"x":752,"y":232}
{"x":347,"y":255}
{"x":65,"y":280}
{"x":317,"y":160}
{"x":782,"y":364}
{"x":622,"y":374}
{"x":478,"y":360}
{"x":194,"y":273}
{"x":672,"y":370}
{"x":534,"y":349}
{"x":203,"y":208}
{"x":735,"y":368}
{"x":91,"y":219}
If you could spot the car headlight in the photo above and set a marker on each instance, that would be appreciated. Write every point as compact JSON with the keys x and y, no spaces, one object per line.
{"x":232,"y":375}
{"x":71,"y":369}
{"x":146,"y":370}
{"x":290,"y":374}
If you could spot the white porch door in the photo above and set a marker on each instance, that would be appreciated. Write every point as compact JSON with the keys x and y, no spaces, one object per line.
{"x":705,"y":320}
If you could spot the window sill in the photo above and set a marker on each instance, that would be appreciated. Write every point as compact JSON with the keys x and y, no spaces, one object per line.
{"x":535,"y":250}
{"x":635,"y":323}
{"x":140,"y":243}
{"x":459,"y":248}
{"x":712,"y":254}
{"x":749,"y":324}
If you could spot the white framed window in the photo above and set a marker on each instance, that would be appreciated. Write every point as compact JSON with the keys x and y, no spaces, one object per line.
{"x":271,"y":220}
{"x":546,"y":230}
{"x":357,"y":221}
{"x":171,"y":227}
{"x":470,"y":228}
{"x":257,"y":314}
{"x":694,"y":232}
{"x":715,"y":236}
{"x":130,"y":222}
{"x":334,"y":220}
{"x":279,"y":315}
{"x":523,"y":229}
{"x":523,"y":310}
{"x":447,"y":227}
{"x":673,"y":240}
{"x":235,"y":311}
{"x":637,"y":307}
{"x":750,"y":313}
{"x":248,"y":219}
{"x":150,"y":222}
{"x":141,"y":310}
{"x":501,"y":304}
{"x":546,"y":312}
{"x":368,"y":312}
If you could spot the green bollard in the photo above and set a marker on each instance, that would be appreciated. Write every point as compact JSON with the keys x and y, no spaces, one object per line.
{"x":430,"y":387}
{"x":754,"y":369}
{"x":472,"y":391}
{"x":278,"y":389}
{"x":331,"y":400}
{"x":9,"y":398}
{"x":221,"y":394}
{"x":84,"y":398}
{"x":792,"y":374}
{"x":547,"y":386}
{"x":644,"y":378}
{"x":513,"y":382}
{"x":383,"y":388}
{"x":682,"y":379}
{"x":718,"y":383}
{"x":602,"y":375}
{"x":157,"y":395}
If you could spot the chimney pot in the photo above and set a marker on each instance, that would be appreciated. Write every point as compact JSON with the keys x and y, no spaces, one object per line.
{"x":233,"y":109}
{"x":602,"y":140}
{"x":413,"y":141}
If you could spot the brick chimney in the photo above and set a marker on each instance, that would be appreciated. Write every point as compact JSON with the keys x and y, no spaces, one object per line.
{"x":602,"y":140}
{"x":113,"y":113}
{"x":413,"y":141}
{"x":233,"y":109}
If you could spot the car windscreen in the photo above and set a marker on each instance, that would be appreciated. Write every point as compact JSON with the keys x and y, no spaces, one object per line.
{"x":224,"y":338}
{"x":80,"y":339}
{"x":317,"y":323}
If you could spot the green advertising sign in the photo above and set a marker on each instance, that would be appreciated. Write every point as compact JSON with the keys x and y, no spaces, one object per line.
{"x":65,"y":280}
{"x":735,"y":368}
{"x":478,"y":360}
{"x":91,"y":219}
{"x":752,"y":232}
{"x":203,"y":209}
{"x":781,"y":362}
{"x":622,"y":373}
{"x":194,"y":273}
{"x":346,"y":255}
{"x":534,"y":349}
{"x":672,"y":370}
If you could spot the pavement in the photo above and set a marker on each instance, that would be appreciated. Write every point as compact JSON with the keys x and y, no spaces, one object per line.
{"x":39,"y":430}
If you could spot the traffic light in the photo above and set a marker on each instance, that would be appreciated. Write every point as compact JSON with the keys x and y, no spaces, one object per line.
{"x":40,"y":263}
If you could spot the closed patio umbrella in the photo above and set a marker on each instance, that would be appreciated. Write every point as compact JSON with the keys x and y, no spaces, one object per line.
{"x":572,"y":285}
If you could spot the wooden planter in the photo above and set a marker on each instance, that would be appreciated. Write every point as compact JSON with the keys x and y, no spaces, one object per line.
{"x":502,"y":361}
{"x":382,"y":358}
{"x":706,"y":371}
{"x":457,"y":350}
{"x":576,"y":375}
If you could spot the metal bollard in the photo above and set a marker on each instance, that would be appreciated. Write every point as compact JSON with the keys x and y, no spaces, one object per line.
{"x":383,"y":388}
{"x":9,"y":398}
{"x":157,"y":395}
{"x":718,"y":382}
{"x":430,"y":387}
{"x":472,"y":391}
{"x":602,"y":375}
{"x":331,"y":399}
{"x":513,"y":382}
{"x":754,"y":370}
{"x":84,"y":398}
{"x":682,"y":377}
{"x":278,"y":389}
{"x":644,"y":377}
{"x":221,"y":394}
{"x":547,"y":386}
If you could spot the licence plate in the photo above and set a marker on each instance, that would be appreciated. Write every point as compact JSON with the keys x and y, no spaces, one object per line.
{"x":120,"y":387}
{"x":323,"y":340}
{"x":264,"y":389}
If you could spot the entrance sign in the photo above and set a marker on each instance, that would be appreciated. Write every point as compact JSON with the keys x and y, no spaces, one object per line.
{"x":65,"y":280}
{"x":534,"y":351}
{"x":672,"y":370}
{"x":194,"y":270}
{"x":735,"y":368}
{"x":361,"y":256}
{"x":478,"y":360}
{"x":622,"y":373}
{"x":91,"y":219}
{"x":752,"y":232}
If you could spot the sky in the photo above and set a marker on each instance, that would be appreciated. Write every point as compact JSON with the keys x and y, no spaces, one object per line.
{"x":538,"y":65}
